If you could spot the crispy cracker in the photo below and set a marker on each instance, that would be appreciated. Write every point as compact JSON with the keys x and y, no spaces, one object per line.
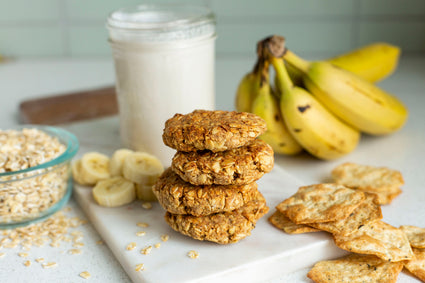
{"x":366,"y":212}
{"x":416,"y":235}
{"x":282,"y":222}
{"x":382,"y":181}
{"x":377,"y":238}
{"x":387,"y":196}
{"x":321,"y":203}
{"x":417,"y":266}
{"x":355,"y":268}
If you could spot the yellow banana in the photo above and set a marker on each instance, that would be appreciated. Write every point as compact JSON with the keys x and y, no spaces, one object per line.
{"x":356,"y":101}
{"x":311,"y":124}
{"x":372,"y":62}
{"x":245,"y":93}
{"x":266,"y":106}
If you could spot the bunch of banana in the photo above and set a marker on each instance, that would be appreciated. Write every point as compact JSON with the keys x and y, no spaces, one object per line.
{"x":120,"y":179}
{"x":317,"y":106}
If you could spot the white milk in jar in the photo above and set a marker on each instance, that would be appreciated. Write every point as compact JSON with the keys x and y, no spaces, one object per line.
{"x":164,"y":62}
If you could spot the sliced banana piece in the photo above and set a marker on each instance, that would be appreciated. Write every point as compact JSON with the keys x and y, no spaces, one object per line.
{"x":76,"y":172}
{"x":94,"y":167}
{"x":115,"y":191}
{"x":117,"y":160}
{"x":145,"y":193}
{"x":142,"y":168}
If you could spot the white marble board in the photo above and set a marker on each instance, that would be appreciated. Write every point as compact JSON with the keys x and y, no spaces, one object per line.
{"x":266,"y":254}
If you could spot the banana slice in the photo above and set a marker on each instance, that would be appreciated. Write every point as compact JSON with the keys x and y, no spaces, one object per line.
{"x":115,"y":191}
{"x":142,"y":168}
{"x":76,"y":172}
{"x":117,"y":160}
{"x":94,"y":167}
{"x":145,"y":193}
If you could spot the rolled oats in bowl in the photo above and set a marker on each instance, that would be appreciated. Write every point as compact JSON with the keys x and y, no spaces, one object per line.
{"x":34,"y":173}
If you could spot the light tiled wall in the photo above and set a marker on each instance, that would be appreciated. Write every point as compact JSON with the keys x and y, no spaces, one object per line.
{"x":76,"y":28}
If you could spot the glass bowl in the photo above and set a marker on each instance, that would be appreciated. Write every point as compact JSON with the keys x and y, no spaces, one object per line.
{"x":33,"y":194}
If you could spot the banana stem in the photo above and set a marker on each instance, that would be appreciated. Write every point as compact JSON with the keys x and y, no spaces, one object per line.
{"x":284,"y":81}
{"x":296,"y":61}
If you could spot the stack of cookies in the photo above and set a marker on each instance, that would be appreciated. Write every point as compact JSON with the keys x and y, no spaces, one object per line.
{"x":209,"y":192}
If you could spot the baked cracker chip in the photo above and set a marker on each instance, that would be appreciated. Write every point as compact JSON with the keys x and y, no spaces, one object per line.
{"x":382,"y":181}
{"x":377,"y":238}
{"x":387,"y":196}
{"x":415,"y":235}
{"x":282,"y":222}
{"x":366,"y":212}
{"x":355,"y":268}
{"x":417,"y":266}
{"x":321,"y":203}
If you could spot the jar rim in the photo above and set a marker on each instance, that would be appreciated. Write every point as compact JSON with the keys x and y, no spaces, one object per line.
{"x":164,"y":17}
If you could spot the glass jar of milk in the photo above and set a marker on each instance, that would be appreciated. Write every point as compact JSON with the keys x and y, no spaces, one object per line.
{"x":164,"y":62}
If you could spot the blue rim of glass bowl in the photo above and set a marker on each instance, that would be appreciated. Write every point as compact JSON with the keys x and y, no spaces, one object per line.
{"x":72,"y":145}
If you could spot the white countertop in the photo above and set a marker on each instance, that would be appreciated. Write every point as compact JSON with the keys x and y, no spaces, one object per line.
{"x":25,"y":79}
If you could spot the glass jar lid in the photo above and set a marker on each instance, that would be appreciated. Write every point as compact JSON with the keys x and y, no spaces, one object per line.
{"x":159,"y":22}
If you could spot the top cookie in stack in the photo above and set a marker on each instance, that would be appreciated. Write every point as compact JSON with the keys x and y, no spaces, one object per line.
{"x":218,"y":154}
{"x":218,"y":147}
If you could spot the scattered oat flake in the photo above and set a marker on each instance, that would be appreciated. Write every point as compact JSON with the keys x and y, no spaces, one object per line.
{"x":147,"y":205}
{"x":78,"y":244}
{"x":27,"y":263}
{"x":75,"y":251}
{"x":131,"y":246}
{"x":164,"y":237}
{"x":49,"y":264}
{"x":140,"y":267}
{"x":85,"y":275}
{"x":140,"y":233}
{"x":23,"y":254}
{"x":157,"y":245}
{"x":143,"y":224}
{"x":2,"y":255}
{"x":100,"y":242}
{"x":193,"y":254}
{"x":146,"y":250}
{"x":67,"y":209}
{"x":40,"y":259}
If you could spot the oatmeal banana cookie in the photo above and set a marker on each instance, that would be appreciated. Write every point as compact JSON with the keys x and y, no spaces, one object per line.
{"x":212,"y":130}
{"x":237,"y":166}
{"x":222,"y":228}
{"x":180,"y":197}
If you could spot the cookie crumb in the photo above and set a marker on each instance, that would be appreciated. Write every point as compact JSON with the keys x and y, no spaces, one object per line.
{"x":146,"y":250}
{"x":131,"y":246}
{"x":164,"y":237}
{"x":27,"y":263}
{"x":143,"y":224}
{"x":157,"y":245}
{"x":140,"y":233}
{"x":147,"y":205}
{"x":193,"y":254}
{"x":140,"y":267}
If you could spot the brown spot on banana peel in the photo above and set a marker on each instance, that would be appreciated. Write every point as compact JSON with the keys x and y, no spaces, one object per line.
{"x":302,"y":109}
{"x":297,"y":130}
